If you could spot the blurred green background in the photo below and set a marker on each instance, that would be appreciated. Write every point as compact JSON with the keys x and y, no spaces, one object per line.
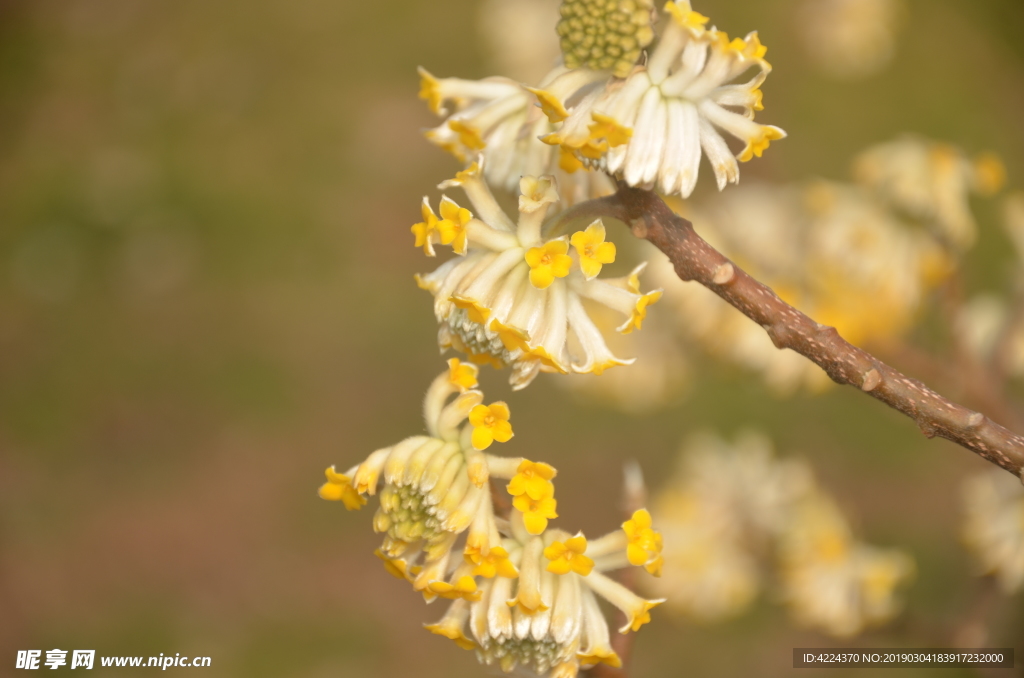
{"x":206,"y":298}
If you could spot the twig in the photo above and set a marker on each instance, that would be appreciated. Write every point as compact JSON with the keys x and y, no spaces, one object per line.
{"x":694,"y":259}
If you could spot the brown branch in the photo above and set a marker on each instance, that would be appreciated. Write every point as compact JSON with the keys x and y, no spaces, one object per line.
{"x":694,"y":259}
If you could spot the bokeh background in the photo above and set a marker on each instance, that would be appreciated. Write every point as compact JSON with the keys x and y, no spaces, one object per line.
{"x":206,"y":298}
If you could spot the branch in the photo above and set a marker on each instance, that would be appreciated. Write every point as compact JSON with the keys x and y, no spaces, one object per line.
{"x":694,"y":259}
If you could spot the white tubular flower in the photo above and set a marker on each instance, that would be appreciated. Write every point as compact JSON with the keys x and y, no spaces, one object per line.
{"x":516,"y":295}
{"x":850,"y":38}
{"x":546,"y":617}
{"x":649,"y":128}
{"x":931,"y":181}
{"x":500,"y":119}
{"x":649,"y":384}
{"x":993,"y":528}
{"x":832,"y":582}
{"x":434,"y":486}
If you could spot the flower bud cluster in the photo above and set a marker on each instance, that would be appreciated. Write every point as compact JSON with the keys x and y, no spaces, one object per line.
{"x":523,"y":594}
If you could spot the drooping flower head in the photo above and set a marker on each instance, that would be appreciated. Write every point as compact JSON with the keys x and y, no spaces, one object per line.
{"x":547,"y":616}
{"x":516,"y":294}
{"x":432,"y":488}
{"x":523,"y":594}
{"x":649,"y":128}
{"x":500,"y":120}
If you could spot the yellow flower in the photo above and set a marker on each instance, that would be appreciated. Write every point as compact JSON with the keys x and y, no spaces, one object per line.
{"x":490,"y":423}
{"x":339,"y":488}
{"x":425,"y":230}
{"x":681,"y":13}
{"x":453,"y":633}
{"x":594,"y":252}
{"x":452,"y":227}
{"x":464,"y":588}
{"x":549,"y":103}
{"x":642,"y":614}
{"x":568,"y":556}
{"x":468,"y":135}
{"x":495,"y":563}
{"x":512,"y":338}
{"x":430,"y":91}
{"x":476,"y":311}
{"x":644,"y":543}
{"x":536,"y":512}
{"x":606,"y":128}
{"x":547,"y":262}
{"x":600,"y":657}
{"x":533,"y":479}
{"x":398,"y":567}
{"x":757,"y":145}
{"x":640,"y":312}
{"x":463,"y":375}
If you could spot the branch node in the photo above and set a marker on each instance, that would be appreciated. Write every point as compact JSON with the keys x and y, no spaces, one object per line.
{"x":871,"y":380}
{"x":773,"y":335}
{"x":638,"y":227}
{"x":976,"y":419}
{"x":927,"y":429}
{"x":724,"y":274}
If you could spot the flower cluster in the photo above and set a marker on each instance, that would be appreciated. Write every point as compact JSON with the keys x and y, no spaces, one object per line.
{"x":731,"y":504}
{"x":515,"y":294}
{"x":650,"y":127}
{"x":523,"y":593}
{"x":931,"y":182}
{"x":994,"y":526}
{"x":499,"y":119}
{"x":645,"y":121}
{"x":832,"y":581}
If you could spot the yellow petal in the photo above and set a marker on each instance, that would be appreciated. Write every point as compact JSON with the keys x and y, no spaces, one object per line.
{"x":502,"y":431}
{"x":542,"y":277}
{"x":482,"y":438}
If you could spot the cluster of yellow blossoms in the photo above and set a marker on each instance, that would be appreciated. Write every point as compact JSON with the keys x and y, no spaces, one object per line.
{"x":731,"y":505}
{"x":526,"y":292}
{"x":515,"y":294}
{"x":523,"y":593}
{"x":648,"y":124}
